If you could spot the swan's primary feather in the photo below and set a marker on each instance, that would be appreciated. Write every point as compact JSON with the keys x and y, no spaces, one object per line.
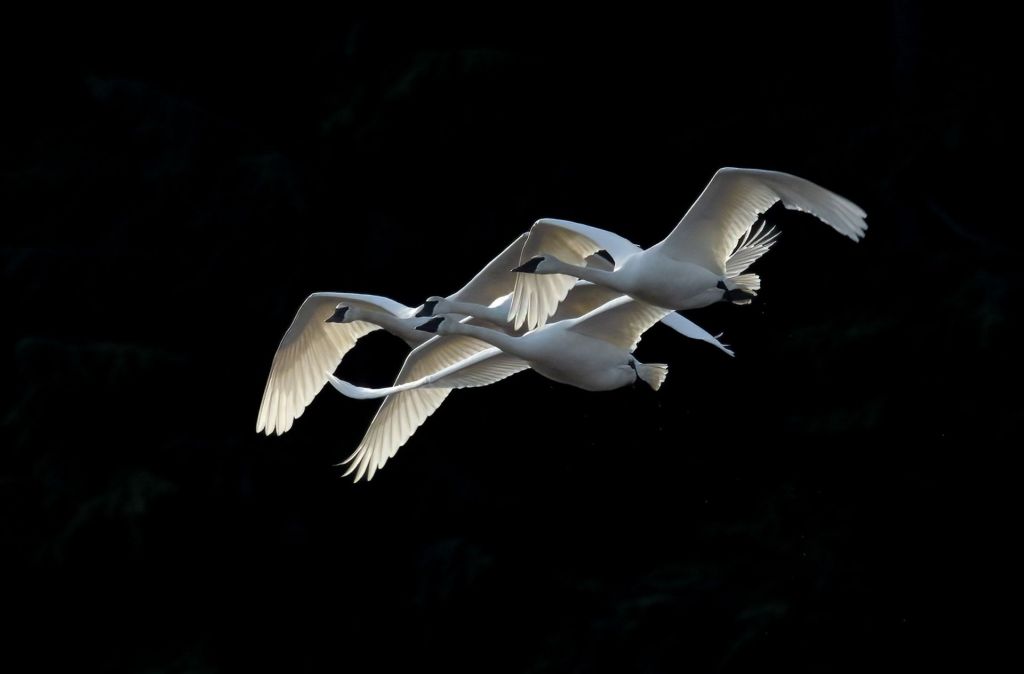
{"x":754,"y":244}
{"x":403,"y":411}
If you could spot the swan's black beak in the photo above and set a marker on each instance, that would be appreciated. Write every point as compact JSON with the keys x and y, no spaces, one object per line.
{"x":427,"y":309}
{"x":338,"y":316}
{"x":530,"y":266}
{"x":431,"y":325}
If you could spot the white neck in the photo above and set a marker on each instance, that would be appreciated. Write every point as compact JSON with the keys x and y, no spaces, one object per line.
{"x":393,"y":324}
{"x":497,"y":315}
{"x":608,"y":279}
{"x":510,"y":345}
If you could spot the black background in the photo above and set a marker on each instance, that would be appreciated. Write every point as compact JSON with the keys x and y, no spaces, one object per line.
{"x":830,"y":499}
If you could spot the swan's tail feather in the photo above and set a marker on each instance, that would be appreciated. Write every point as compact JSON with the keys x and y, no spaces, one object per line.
{"x":652,"y":373}
{"x":748,"y":282}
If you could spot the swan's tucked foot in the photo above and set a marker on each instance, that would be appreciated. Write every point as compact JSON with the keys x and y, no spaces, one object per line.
{"x":737,"y":296}
{"x":338,"y":316}
{"x":431,"y":325}
{"x":427,"y":309}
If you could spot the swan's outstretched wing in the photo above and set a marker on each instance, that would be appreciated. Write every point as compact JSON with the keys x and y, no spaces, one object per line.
{"x":495,"y":279}
{"x":730,"y":205}
{"x":462,"y":361}
{"x":620,"y":322}
{"x":688,"y":328}
{"x":536,"y":296}
{"x":309,"y":348}
{"x":583,"y":298}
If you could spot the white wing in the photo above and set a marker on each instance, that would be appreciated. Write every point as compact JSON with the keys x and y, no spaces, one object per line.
{"x":536,"y":296}
{"x":620,"y":322}
{"x":688,"y":328}
{"x":495,"y":279}
{"x":585,"y":297}
{"x":309,"y":348}
{"x":753,"y":244}
{"x":462,"y":361}
{"x":730,"y":205}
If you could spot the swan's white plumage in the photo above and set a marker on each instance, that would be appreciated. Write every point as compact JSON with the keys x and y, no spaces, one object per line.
{"x":731,"y":202}
{"x":706,"y":238}
{"x":590,"y":351}
{"x":309,"y":347}
{"x":494,"y":280}
{"x":688,"y":328}
{"x":536,"y":296}
{"x":754,"y":244}
{"x":620,"y":322}
{"x":402,"y":412}
{"x":447,"y":362}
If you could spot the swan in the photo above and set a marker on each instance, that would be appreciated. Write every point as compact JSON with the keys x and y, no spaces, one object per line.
{"x":700,"y":262}
{"x":591,"y":351}
{"x":327,"y":325}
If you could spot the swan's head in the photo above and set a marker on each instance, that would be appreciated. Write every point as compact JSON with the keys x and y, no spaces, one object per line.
{"x":536,"y":265}
{"x":339,"y":314}
{"x":433,"y":325}
{"x":429,"y":307}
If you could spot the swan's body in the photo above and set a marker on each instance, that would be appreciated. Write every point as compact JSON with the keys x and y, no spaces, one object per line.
{"x":328,"y":325}
{"x":700,"y":262}
{"x":590,"y":351}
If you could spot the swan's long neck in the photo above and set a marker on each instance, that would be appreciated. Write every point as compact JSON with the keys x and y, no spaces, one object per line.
{"x":391,"y":323}
{"x":497,"y":315}
{"x":608,"y":279}
{"x":510,"y":345}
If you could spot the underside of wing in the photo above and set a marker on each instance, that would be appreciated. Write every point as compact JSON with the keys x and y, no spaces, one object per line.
{"x":583,"y":298}
{"x":494,"y":280}
{"x":731,"y":203}
{"x":309,"y":348}
{"x":403,"y":412}
{"x":752,"y":245}
{"x":620,"y":322}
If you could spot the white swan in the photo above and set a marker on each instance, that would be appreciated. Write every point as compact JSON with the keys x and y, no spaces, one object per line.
{"x":328,"y":325}
{"x":697,"y":264}
{"x":591,"y":351}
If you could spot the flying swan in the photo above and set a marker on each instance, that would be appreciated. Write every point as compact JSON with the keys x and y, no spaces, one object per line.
{"x":591,"y":351}
{"x":697,"y":264}
{"x":328,"y":325}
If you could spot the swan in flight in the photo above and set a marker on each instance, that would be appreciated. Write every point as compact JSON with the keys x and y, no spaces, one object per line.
{"x":328,"y":325}
{"x":591,"y":350}
{"x":700,"y":262}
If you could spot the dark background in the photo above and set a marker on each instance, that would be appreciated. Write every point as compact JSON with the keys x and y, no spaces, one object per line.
{"x":830,"y":499}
